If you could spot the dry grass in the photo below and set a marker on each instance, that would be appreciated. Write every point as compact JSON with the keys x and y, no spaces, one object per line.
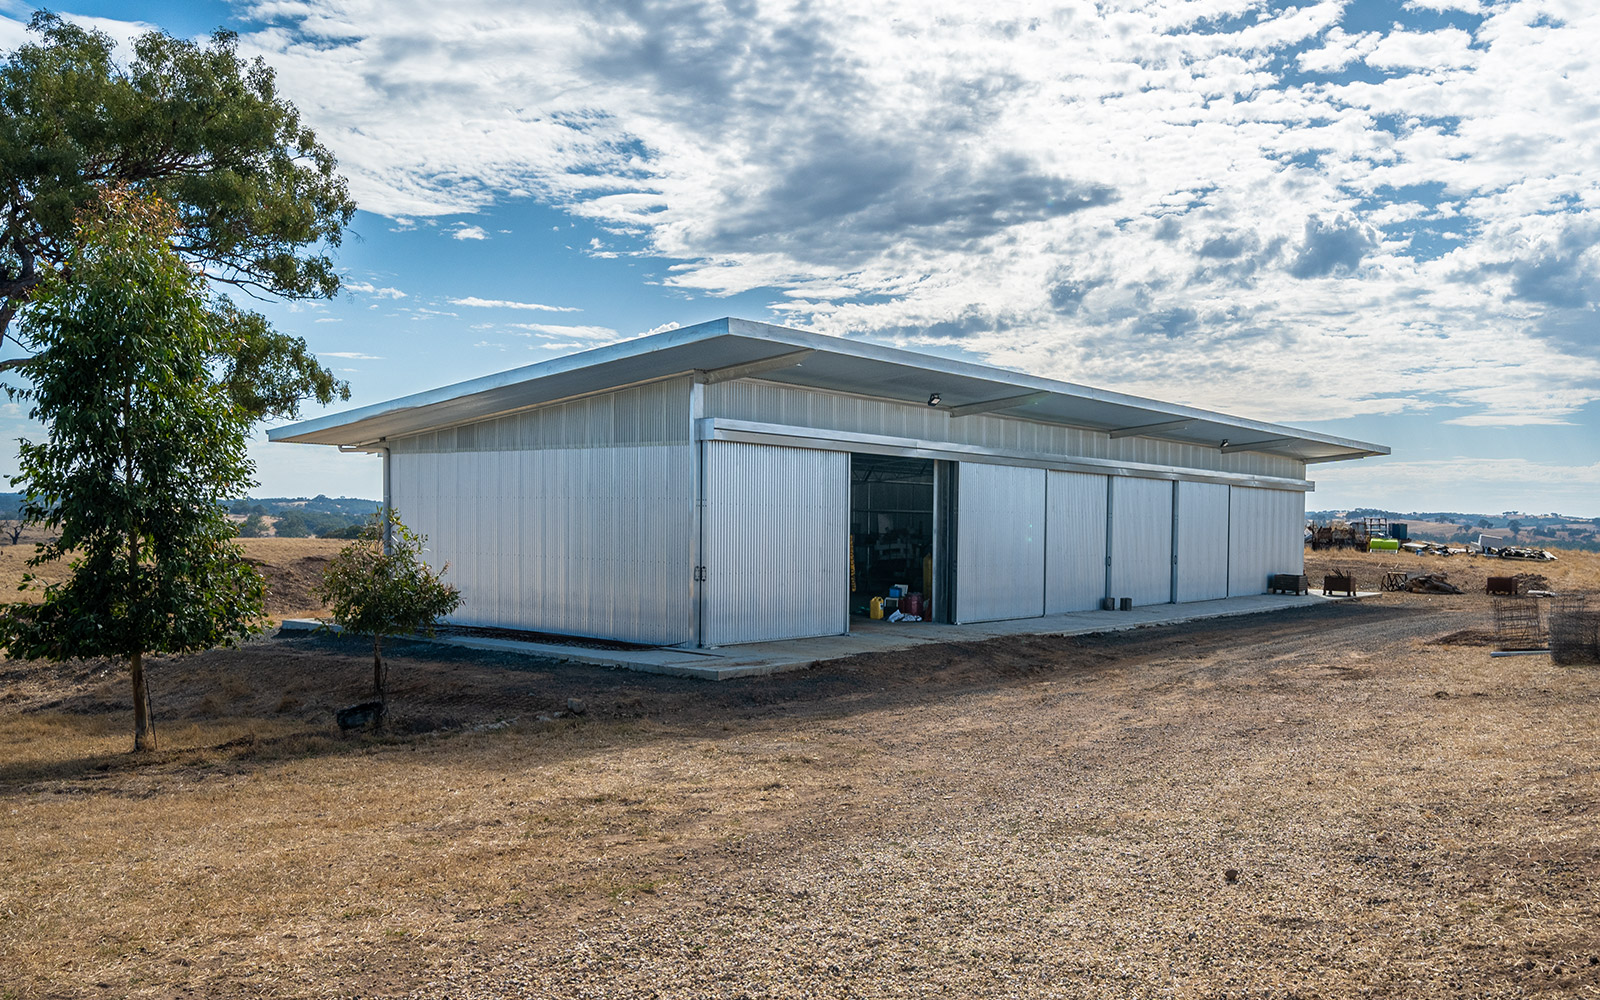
{"x":292,"y":567}
{"x":1571,"y":571}
{"x":1028,"y":817}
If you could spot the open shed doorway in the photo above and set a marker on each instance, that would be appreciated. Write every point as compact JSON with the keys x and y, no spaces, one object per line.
{"x":893,"y":532}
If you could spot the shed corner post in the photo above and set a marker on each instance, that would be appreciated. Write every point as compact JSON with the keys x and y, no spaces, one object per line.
{"x":388,"y":498}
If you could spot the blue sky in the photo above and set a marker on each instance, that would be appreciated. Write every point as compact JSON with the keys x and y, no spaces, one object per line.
{"x":1373,"y":219}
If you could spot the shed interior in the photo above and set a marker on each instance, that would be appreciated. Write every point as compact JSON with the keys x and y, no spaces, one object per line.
{"x":891,"y":528}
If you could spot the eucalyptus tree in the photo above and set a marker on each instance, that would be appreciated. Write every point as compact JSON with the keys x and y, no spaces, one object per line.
{"x":144,"y":446}
{"x":259,"y":201}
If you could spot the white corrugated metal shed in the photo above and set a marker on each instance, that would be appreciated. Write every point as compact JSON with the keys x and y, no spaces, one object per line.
{"x":656,"y":490}
{"x":734,"y":348}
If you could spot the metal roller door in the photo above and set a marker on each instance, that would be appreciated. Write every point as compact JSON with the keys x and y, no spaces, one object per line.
{"x":1202,"y":542}
{"x":1266,"y":536}
{"x":1141,"y":539}
{"x":1075,"y":542}
{"x":776,"y":543}
{"x":1000,"y":519}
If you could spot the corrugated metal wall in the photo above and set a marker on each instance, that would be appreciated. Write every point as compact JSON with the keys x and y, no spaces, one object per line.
{"x":657,"y":413}
{"x":581,"y":542}
{"x":771,"y":402}
{"x":776,"y":535}
{"x":1141,"y":539}
{"x":1075,"y":541}
{"x":1266,"y":536}
{"x":1000,"y":518}
{"x":1202,"y":543}
{"x":574,"y":518}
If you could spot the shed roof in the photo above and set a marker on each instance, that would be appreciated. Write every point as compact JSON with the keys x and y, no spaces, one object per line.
{"x":735,"y":348}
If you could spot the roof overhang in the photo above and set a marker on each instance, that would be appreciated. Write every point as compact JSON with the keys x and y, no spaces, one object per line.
{"x":735,"y":348}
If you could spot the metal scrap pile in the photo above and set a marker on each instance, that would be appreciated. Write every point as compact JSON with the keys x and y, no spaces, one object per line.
{"x":1522,"y":552}
{"x":1431,"y":583}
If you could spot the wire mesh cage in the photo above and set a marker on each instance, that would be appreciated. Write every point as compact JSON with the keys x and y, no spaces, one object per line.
{"x":1518,"y":624}
{"x":1574,"y":629}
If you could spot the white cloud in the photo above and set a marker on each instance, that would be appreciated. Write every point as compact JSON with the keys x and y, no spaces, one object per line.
{"x":587,"y":336}
{"x":1338,"y":51}
{"x":1423,"y":50}
{"x":469,"y":233}
{"x":1468,"y":484}
{"x":367,"y":288}
{"x":474,"y":301}
{"x":349,"y":355}
{"x":1468,"y":6}
{"x":1128,"y":194}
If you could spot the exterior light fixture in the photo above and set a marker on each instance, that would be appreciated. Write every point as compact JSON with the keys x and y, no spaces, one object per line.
{"x":933,"y":399}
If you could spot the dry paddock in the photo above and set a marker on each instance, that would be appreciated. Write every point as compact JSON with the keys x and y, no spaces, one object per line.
{"x":1331,"y":802}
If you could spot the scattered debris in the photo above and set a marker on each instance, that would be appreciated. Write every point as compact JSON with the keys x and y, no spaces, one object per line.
{"x":1527,"y":583}
{"x":1522,"y":552}
{"x":1431,"y":583}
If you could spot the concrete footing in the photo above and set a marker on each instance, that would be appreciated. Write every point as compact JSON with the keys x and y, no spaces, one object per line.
{"x":757,"y":658}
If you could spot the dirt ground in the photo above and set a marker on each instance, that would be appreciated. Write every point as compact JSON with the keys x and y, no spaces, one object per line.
{"x":1351,"y":800}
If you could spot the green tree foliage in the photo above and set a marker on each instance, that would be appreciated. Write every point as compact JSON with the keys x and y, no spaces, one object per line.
{"x":145,"y":444}
{"x":299,"y":522}
{"x":254,"y":526}
{"x":259,"y":200}
{"x":380,"y":586}
{"x":291,"y":524}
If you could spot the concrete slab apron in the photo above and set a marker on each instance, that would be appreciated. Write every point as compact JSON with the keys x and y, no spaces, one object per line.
{"x":757,"y":658}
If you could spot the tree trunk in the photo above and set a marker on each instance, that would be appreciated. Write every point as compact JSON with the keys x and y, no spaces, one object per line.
{"x":144,"y":734}
{"x":377,"y":666}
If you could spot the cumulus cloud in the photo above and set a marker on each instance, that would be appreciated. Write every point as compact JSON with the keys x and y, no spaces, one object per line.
{"x":465,"y":232}
{"x":1264,"y":193}
{"x":1337,"y":51}
{"x":1422,"y":50}
{"x":1331,"y":245}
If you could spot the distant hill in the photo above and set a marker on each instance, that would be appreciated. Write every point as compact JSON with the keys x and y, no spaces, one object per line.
{"x":1552,"y":530}
{"x":287,"y":517}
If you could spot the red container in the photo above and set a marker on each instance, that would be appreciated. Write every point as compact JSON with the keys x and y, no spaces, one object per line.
{"x":911,"y":604}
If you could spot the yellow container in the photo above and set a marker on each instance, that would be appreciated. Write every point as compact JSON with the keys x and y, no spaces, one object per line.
{"x":875,"y":608}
